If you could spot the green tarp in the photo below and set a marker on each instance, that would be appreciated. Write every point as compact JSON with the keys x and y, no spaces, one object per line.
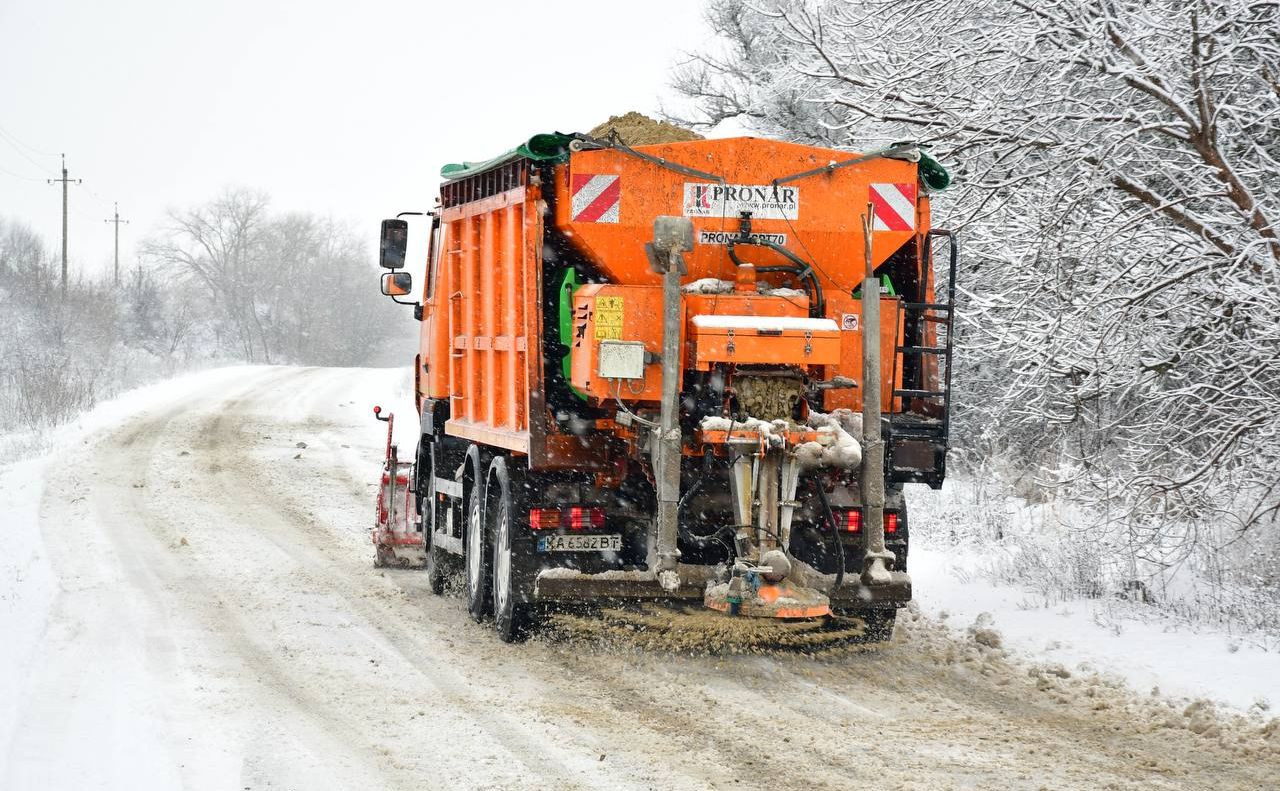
{"x":554,"y":146}
{"x":538,"y":147}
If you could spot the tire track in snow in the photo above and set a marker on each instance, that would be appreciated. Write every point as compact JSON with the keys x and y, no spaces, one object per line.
{"x":141,"y":543}
{"x":319,"y":551}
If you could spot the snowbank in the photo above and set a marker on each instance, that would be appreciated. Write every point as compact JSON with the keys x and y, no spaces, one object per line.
{"x":1146,"y":655}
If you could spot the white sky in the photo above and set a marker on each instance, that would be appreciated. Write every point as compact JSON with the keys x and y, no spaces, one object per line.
{"x":341,"y":108}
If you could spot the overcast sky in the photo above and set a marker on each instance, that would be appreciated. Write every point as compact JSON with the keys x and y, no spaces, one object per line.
{"x":342,"y":108}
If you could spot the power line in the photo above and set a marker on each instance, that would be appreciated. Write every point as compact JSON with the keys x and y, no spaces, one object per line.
{"x":31,"y":148}
{"x":65,"y":181}
{"x":97,"y":197}
{"x":21,"y":153}
{"x":18,"y":175}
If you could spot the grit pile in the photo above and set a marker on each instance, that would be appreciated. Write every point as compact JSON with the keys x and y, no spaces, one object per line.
{"x":634,"y":129}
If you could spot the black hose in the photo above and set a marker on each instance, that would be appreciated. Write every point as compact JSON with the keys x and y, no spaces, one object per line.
{"x":700,"y":541}
{"x":835,"y":533}
{"x":802,"y":270}
{"x":697,"y":484}
{"x":818,"y":302}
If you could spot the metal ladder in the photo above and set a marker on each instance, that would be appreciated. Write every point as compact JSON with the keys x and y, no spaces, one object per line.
{"x":919,"y":422}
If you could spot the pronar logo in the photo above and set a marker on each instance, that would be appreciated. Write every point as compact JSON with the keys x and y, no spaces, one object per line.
{"x":764,"y":201}
{"x":724,"y":237}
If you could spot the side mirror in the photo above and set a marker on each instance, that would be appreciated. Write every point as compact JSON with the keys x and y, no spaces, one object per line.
{"x":396,"y":284}
{"x":395,"y":243}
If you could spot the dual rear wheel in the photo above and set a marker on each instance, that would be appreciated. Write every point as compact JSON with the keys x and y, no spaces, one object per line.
{"x":498,"y":582}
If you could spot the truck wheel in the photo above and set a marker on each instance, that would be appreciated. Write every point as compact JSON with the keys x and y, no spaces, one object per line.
{"x":437,"y":560}
{"x":512,"y":614}
{"x":435,"y":566}
{"x":478,"y":560}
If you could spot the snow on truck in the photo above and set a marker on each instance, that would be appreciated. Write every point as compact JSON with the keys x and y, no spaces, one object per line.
{"x":644,"y":374}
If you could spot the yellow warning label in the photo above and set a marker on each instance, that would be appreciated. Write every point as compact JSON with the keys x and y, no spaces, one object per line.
{"x":608,"y":318}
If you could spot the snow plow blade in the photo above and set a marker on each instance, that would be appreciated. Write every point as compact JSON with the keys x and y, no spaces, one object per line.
{"x":855,"y":596}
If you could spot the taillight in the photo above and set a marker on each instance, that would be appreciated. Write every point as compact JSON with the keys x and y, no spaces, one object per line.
{"x":585,"y":518}
{"x":851,"y":521}
{"x":574,"y":517}
{"x":544,"y":518}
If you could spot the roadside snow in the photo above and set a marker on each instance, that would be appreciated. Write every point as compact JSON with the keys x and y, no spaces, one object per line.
{"x":1147,"y":655}
{"x":27,"y":584}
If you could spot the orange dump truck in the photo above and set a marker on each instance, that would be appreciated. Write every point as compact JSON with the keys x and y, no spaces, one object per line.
{"x":641,"y":374}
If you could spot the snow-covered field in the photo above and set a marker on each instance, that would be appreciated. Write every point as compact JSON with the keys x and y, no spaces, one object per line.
{"x":187,"y":600}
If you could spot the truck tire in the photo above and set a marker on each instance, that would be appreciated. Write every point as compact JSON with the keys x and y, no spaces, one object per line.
{"x":435,"y":566}
{"x":512,"y":613}
{"x":478,"y":560}
{"x":438,"y":565}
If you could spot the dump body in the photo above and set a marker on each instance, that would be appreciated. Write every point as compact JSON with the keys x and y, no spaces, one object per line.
{"x":481,"y":314}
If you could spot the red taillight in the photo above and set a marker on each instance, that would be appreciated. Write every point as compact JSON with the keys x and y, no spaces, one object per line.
{"x":851,"y":521}
{"x":544,"y":518}
{"x":574,"y":517}
{"x":584,"y":518}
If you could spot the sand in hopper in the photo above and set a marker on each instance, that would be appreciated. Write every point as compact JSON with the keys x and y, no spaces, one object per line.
{"x":634,"y":129}
{"x":651,"y":627}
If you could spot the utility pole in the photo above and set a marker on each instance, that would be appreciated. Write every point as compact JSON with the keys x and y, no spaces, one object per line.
{"x":65,"y":181}
{"x":116,"y":221}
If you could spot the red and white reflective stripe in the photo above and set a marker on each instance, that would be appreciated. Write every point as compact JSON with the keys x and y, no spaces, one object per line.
{"x":895,"y":207}
{"x":595,"y":198}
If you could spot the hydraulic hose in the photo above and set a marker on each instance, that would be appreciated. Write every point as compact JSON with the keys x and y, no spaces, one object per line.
{"x":802,"y":270}
{"x":700,"y":541}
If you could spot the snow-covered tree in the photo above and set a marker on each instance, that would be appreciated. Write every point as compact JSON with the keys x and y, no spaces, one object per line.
{"x":1118,"y":203}
{"x":280,"y":288}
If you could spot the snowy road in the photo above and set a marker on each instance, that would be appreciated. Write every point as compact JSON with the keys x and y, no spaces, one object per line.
{"x":217,"y":624}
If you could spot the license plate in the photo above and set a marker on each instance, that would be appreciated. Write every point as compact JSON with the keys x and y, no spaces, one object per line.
{"x":580,"y":543}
